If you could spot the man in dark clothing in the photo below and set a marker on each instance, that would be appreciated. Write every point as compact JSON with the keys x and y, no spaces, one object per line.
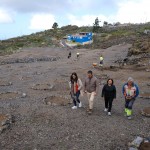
{"x":109,"y":93}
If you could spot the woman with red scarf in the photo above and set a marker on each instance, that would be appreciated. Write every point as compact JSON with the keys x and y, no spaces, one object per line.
{"x":76,"y":85}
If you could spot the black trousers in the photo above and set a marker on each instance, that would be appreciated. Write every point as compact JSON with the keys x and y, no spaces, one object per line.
{"x":108,"y":103}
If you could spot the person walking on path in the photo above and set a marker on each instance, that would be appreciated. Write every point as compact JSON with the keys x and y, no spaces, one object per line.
{"x":130,"y":91}
{"x":78,"y":54}
{"x":76,"y":86}
{"x":90,"y":87}
{"x":69,"y":55}
{"x":101,"y":58}
{"x":109,"y":94}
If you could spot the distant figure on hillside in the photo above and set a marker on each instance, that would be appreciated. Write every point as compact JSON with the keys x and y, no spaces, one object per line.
{"x":69,"y":55}
{"x":76,"y":86}
{"x":130,"y":91}
{"x":78,"y":55}
{"x":90,"y":87}
{"x":109,"y":94}
{"x":101,"y":61}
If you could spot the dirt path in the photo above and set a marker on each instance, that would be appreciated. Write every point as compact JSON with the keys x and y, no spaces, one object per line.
{"x":39,"y":126}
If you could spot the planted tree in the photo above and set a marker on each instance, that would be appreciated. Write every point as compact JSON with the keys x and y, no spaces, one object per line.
{"x":55,"y":25}
{"x":117,"y":24}
{"x":105,"y":23}
{"x":96,"y":25}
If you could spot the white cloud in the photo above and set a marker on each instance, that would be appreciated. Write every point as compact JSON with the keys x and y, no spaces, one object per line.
{"x":42,"y":21}
{"x":85,"y":20}
{"x":129,"y":11}
{"x":133,"y":11}
{"x":5,"y":17}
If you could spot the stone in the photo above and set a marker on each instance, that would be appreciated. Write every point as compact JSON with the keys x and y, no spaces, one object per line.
{"x":146,"y":112}
{"x":29,"y":60}
{"x":2,"y":128}
{"x":145,"y":146}
{"x":131,"y":148}
{"x":147,"y":70}
{"x":56,"y":100}
{"x":148,"y":84}
{"x":24,"y":95}
{"x":5,"y":121}
{"x":145,"y":95}
{"x":42,"y":87}
{"x":136,"y":142}
{"x":5,"y":83}
{"x":9,"y":95}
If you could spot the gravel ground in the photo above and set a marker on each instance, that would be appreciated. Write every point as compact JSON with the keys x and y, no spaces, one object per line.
{"x":39,"y":126}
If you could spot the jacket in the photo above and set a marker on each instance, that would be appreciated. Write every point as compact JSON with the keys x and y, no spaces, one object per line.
{"x":134,"y":91}
{"x":91,"y":85}
{"x":79,"y":84}
{"x":109,"y":91}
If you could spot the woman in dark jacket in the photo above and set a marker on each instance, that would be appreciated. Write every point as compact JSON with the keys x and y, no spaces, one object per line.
{"x":109,"y":93}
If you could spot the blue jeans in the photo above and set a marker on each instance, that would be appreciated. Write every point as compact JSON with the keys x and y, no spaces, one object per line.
{"x":129,"y":103}
{"x":75,"y":98}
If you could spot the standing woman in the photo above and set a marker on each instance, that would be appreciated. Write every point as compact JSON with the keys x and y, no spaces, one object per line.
{"x":76,"y":86}
{"x":109,"y":93}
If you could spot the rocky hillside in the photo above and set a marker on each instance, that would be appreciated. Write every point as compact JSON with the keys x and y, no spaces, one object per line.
{"x":141,"y":45}
{"x":106,"y":37}
{"x":110,"y":36}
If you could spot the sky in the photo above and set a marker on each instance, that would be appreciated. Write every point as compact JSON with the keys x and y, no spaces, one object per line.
{"x":23,"y":17}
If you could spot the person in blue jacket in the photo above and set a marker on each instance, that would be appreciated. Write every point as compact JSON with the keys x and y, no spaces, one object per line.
{"x":130,"y":91}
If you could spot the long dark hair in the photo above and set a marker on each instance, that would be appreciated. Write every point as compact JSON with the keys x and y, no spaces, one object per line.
{"x":72,"y":79}
{"x":111,"y":80}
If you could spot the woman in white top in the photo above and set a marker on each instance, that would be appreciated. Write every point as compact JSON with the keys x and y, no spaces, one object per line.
{"x":76,"y":86}
{"x":130,"y":91}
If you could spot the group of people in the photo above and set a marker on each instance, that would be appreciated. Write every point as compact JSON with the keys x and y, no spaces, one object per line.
{"x":91,"y":87}
{"x":69,"y":55}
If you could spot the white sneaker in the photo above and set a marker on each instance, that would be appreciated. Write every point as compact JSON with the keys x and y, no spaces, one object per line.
{"x":109,"y":113}
{"x":105,"y":109}
{"x":74,"y":107}
{"x":80,"y":104}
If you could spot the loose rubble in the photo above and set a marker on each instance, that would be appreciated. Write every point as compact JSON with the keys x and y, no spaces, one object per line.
{"x":5,"y":122}
{"x":42,"y":109}
{"x":56,"y":100}
{"x":42,"y":87}
{"x":146,"y":111}
{"x":29,"y":60}
{"x":140,"y":143}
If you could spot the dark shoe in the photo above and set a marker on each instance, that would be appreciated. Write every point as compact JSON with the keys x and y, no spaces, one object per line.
{"x":87,"y":109}
{"x":90,"y":111}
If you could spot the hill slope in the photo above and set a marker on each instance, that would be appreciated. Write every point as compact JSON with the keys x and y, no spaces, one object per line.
{"x":106,"y":37}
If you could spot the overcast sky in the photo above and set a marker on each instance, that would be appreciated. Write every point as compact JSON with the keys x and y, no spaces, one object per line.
{"x":21,"y":17}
